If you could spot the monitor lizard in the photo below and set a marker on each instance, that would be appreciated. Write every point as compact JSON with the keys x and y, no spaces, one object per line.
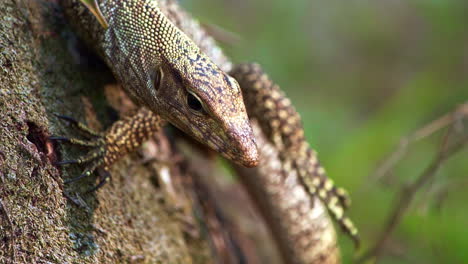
{"x":174,"y":70}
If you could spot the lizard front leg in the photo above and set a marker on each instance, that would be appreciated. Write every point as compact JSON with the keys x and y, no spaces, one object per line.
{"x":123,"y":137}
{"x":282,"y":124}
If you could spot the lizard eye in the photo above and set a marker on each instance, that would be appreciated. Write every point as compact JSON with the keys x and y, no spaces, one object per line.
{"x":194,"y":103}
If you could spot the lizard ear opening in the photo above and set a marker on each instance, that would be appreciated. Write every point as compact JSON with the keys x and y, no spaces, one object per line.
{"x":158,"y":79}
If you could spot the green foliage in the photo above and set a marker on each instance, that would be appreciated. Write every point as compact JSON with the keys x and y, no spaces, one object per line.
{"x":364,"y":74}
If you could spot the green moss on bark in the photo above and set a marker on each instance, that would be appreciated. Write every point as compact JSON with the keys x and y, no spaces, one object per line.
{"x":123,"y":222}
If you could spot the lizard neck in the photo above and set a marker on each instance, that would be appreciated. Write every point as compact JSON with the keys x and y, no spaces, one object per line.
{"x":140,"y":38}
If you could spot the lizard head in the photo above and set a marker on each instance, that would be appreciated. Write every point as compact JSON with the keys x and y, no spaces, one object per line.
{"x":206,"y":103}
{"x":166,"y":71}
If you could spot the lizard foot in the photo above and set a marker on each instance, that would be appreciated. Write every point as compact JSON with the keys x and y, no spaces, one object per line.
{"x":123,"y":137}
{"x":94,"y":158}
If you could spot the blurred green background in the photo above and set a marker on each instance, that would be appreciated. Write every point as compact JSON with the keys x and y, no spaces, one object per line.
{"x":364,"y":74}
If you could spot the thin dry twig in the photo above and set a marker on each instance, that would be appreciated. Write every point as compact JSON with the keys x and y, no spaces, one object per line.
{"x":439,"y":192}
{"x":221,"y":34}
{"x":446,"y":151}
{"x":452,"y":118}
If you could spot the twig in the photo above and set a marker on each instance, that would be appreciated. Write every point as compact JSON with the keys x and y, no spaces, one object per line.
{"x":439,"y":193}
{"x":408,"y":193}
{"x":453,"y":117}
{"x":221,"y":34}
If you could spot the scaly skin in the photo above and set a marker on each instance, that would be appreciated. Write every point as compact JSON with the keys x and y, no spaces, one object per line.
{"x":265,"y":102}
{"x":283,"y":127}
{"x":162,"y":69}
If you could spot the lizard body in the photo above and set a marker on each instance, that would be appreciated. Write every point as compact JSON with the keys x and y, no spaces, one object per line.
{"x":161,"y":37}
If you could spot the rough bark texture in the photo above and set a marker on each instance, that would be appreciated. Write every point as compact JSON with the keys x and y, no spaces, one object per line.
{"x":130,"y":220}
{"x":123,"y":222}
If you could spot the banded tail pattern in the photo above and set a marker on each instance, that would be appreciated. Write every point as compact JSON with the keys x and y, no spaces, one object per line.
{"x":282,"y":124}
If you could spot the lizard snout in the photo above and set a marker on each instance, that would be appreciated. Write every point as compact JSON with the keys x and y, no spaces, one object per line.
{"x":243,"y":149}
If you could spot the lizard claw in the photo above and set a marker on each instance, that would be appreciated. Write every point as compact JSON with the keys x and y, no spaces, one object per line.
{"x":67,"y":118}
{"x":82,"y":127}
{"x":65,"y":162}
{"x":83,"y":175}
{"x":95,"y":157}
{"x":101,"y":183}
{"x":59,"y":138}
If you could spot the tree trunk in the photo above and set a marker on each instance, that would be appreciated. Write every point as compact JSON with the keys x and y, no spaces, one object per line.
{"x":123,"y":222}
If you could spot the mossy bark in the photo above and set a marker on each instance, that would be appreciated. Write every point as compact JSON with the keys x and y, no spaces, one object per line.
{"x":123,"y":222}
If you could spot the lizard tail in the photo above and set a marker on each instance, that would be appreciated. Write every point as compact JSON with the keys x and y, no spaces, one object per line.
{"x":317,"y":183}
{"x":282,"y":124}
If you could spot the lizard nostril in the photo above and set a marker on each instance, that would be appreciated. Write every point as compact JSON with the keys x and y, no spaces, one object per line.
{"x":245,"y":147}
{"x":251,"y":158}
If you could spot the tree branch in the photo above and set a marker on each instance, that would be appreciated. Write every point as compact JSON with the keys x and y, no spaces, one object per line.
{"x":446,"y":151}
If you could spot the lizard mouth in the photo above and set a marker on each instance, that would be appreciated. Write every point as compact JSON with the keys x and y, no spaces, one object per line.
{"x":238,"y":148}
{"x":236,"y":144}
